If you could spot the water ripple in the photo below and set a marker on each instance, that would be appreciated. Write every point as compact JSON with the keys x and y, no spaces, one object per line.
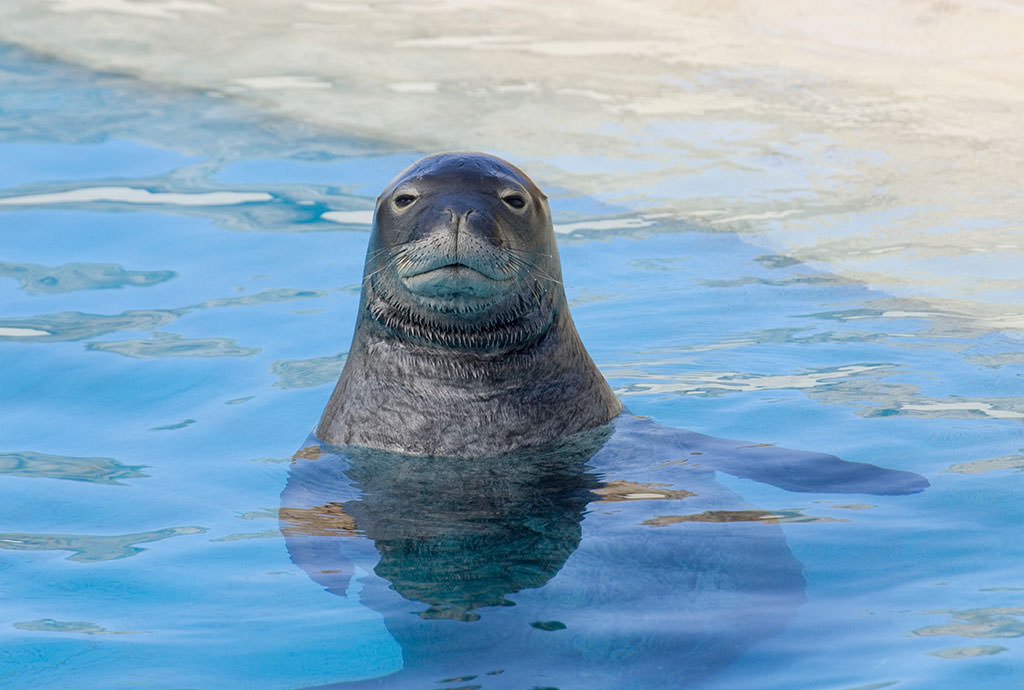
{"x":28,"y":463}
{"x":48,"y":280}
{"x":997,"y":622}
{"x":79,"y":326}
{"x":1006,"y":462}
{"x":174,"y":345}
{"x":80,"y":627}
{"x":968,"y":652}
{"x":134,"y":195}
{"x":718,"y":383}
{"x":306,"y":373}
{"x":87,"y":548}
{"x":264,"y":297}
{"x":74,"y":325}
{"x":770,"y":516}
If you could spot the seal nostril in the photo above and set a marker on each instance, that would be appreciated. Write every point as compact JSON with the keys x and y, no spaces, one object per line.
{"x":459,"y":221}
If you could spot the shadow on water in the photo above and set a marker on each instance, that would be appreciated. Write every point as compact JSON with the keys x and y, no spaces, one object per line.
{"x":610,"y":560}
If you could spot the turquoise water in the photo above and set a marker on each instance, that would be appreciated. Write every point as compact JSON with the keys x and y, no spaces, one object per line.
{"x":176,"y":307}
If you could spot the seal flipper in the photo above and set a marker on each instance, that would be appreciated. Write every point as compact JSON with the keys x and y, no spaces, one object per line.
{"x":806,"y":471}
{"x":793,"y":470}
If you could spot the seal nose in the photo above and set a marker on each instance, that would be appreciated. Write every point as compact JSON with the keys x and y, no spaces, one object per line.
{"x":458,"y":216}
{"x":459,"y":222}
{"x":470,"y":221}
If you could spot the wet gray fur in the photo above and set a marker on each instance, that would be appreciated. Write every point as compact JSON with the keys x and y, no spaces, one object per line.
{"x":463,"y":345}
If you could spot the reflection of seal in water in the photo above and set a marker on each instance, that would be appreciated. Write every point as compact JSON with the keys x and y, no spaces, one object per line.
{"x":556,"y":579}
{"x":611,"y":560}
{"x":464,"y":345}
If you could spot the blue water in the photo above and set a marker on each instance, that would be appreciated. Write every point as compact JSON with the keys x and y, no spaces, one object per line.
{"x":163,"y":360}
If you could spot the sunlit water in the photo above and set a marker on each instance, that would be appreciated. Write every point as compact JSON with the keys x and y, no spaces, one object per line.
{"x":179,"y":279}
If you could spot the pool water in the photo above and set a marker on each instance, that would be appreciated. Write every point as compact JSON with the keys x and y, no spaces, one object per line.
{"x":179,"y":276}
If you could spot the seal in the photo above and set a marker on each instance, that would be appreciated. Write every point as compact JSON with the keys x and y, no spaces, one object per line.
{"x":464,"y":345}
{"x":520,"y":570}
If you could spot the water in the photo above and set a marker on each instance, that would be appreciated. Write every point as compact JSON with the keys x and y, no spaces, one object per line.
{"x":878,"y":140}
{"x":179,"y":278}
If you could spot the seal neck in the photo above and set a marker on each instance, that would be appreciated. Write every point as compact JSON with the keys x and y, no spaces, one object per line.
{"x":436,"y":401}
{"x":452,"y":361}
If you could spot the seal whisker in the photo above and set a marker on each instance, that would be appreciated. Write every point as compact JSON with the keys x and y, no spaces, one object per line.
{"x":523,"y":262}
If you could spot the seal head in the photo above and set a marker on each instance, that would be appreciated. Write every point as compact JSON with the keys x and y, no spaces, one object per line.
{"x":463,"y":345}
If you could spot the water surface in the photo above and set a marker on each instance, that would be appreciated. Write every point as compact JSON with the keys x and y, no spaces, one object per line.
{"x":179,"y":276}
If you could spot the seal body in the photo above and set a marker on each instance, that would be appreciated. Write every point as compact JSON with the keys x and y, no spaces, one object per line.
{"x":464,"y":346}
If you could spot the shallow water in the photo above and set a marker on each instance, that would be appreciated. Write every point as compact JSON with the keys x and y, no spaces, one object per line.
{"x":180,"y":276}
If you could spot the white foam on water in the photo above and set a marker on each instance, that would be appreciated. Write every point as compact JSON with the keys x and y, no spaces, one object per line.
{"x":132,"y":195}
{"x":700,"y":383}
{"x":11,"y":332}
{"x":353,"y":217}
{"x":980,"y":407}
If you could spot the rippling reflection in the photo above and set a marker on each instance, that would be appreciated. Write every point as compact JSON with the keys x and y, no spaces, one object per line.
{"x":568,"y":555}
{"x":79,"y":627}
{"x":72,"y":325}
{"x":966,"y":652}
{"x":459,"y":535}
{"x":994,"y":622}
{"x":174,"y":345}
{"x":88,"y":547}
{"x":29,"y":463}
{"x":37,"y":279}
{"x":305,"y":373}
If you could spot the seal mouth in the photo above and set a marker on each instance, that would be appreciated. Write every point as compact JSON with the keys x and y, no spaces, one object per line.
{"x":453,"y":281}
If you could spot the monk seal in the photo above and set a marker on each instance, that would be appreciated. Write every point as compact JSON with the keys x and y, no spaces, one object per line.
{"x":474,"y":480}
{"x":463,"y":345}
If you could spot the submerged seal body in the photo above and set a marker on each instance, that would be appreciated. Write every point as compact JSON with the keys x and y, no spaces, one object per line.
{"x":464,"y":345}
{"x":613,"y":559}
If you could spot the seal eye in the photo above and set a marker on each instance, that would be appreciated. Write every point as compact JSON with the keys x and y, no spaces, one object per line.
{"x":404,"y":200}
{"x":514,"y":200}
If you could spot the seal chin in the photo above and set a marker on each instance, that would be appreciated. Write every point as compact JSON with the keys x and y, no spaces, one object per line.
{"x":454,"y":282}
